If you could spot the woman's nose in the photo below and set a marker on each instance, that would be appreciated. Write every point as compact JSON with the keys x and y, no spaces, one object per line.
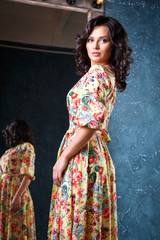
{"x":96,"y":45}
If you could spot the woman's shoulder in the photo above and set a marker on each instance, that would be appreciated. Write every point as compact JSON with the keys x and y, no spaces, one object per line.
{"x":27,"y":145}
{"x":19,"y":149}
{"x":27,"y":148}
{"x":97,"y":74}
{"x":97,"y":68}
{"x":102,"y":73}
{"x":24,"y":147}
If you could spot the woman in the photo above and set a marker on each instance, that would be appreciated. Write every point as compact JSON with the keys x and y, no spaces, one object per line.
{"x":83,"y":203}
{"x":16,"y":172}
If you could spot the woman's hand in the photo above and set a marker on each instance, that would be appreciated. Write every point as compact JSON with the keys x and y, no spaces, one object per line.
{"x":16,"y":203}
{"x":58,"y":169}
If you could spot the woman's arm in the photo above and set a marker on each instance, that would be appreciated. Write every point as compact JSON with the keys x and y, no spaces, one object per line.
{"x":16,"y":202}
{"x":79,"y":140}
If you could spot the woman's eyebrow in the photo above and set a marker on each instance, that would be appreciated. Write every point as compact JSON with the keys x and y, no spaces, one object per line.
{"x":103,"y":36}
{"x":99,"y":37}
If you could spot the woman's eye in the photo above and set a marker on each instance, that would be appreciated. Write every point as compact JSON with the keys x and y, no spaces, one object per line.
{"x":103,"y":40}
{"x":90,"y":40}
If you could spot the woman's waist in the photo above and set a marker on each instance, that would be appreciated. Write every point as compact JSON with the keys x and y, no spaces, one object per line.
{"x":103,"y":135}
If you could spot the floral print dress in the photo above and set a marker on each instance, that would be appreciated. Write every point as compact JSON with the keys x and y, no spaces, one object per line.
{"x":14,"y":164}
{"x":84,"y":206}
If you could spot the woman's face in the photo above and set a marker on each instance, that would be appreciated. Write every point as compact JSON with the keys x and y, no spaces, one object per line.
{"x":99,"y":46}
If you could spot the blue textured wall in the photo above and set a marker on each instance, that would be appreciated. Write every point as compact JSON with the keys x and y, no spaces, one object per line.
{"x":135,"y":123}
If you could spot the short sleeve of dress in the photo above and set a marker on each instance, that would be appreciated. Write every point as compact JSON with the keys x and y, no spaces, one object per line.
{"x":94,"y":108}
{"x":28,"y":160}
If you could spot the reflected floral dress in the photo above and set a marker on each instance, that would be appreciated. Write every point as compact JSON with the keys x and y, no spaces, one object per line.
{"x":14,"y":164}
{"x":84,"y":206}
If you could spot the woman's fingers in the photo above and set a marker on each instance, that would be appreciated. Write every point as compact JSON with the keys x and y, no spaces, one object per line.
{"x":57,"y":182}
{"x":15,"y":207}
{"x":60,"y":176}
{"x":57,"y":177}
{"x":58,"y":169}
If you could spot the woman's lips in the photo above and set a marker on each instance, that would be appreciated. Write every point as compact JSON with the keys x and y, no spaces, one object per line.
{"x":95,"y":54}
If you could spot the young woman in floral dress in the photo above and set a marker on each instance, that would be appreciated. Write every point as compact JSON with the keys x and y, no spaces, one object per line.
{"x":83,"y":202}
{"x":17,"y":220}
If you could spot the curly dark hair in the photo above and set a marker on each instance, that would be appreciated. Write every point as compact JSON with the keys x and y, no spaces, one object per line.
{"x":120,"y":59}
{"x":17,"y":131}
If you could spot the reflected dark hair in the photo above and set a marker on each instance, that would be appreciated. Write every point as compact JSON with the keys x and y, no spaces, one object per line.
{"x":120,"y":59}
{"x":17,"y":131}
